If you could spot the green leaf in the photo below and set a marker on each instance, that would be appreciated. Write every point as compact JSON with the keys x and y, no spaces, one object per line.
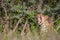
{"x":58,"y":22}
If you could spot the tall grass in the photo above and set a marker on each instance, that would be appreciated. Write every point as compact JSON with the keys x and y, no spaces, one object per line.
{"x":31,"y":35}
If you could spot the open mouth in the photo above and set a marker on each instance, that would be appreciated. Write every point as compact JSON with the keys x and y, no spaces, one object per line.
{"x":39,"y":19}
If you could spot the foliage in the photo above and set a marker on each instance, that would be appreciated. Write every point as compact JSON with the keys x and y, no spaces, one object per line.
{"x":27,"y":10}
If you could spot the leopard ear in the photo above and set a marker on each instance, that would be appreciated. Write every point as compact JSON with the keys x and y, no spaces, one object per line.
{"x":46,"y":17}
{"x":39,"y":15}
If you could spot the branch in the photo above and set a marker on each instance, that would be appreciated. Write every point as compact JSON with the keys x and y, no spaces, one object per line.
{"x":16,"y":26}
{"x":24,"y":26}
{"x":6,"y":25}
{"x":4,"y":7}
{"x":22,"y":32}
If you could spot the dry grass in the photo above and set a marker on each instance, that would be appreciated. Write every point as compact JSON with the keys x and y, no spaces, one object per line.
{"x":30,"y":35}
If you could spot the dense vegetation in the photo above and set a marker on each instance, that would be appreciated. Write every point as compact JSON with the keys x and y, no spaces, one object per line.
{"x":17,"y":16}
